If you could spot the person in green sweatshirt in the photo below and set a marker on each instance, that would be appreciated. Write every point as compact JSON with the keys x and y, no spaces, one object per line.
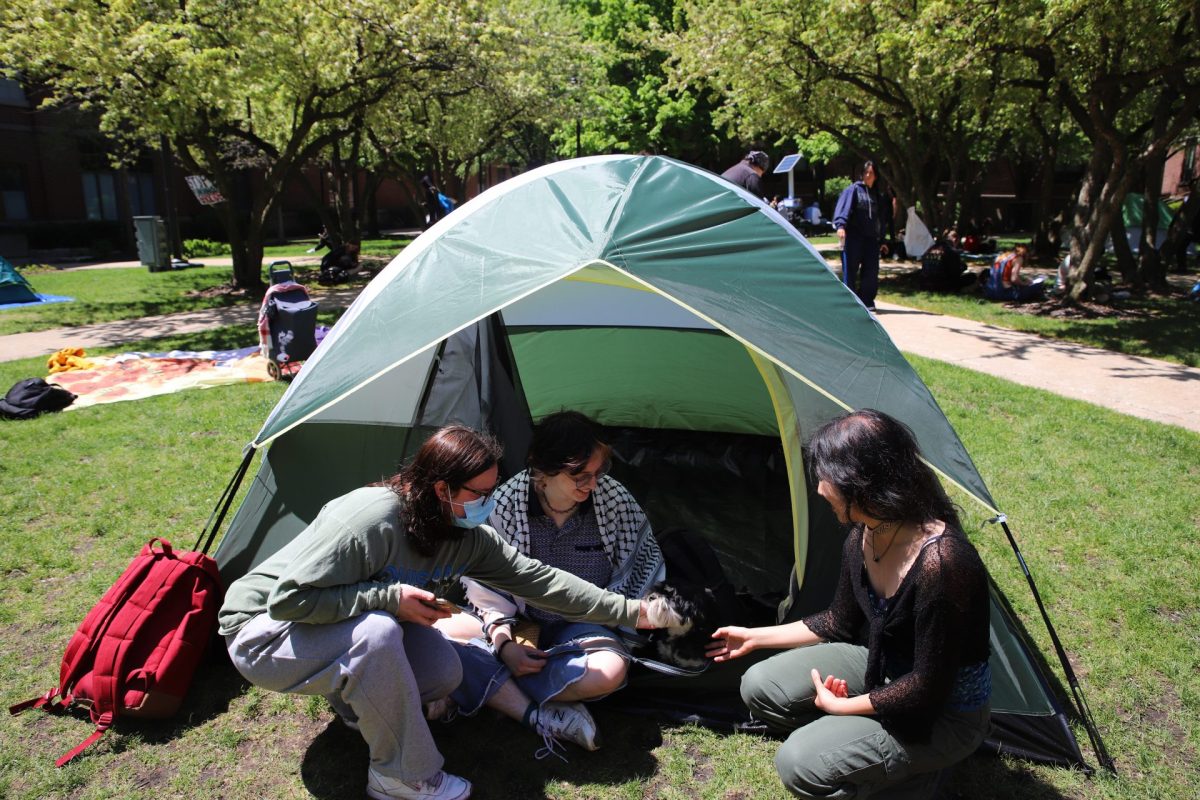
{"x":346,"y":609}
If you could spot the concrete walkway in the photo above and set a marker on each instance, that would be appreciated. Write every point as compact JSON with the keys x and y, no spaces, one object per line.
{"x":113,"y":334}
{"x":1143,"y":387}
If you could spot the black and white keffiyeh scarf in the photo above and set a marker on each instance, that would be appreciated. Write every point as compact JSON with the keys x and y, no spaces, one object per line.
{"x":624,"y":531}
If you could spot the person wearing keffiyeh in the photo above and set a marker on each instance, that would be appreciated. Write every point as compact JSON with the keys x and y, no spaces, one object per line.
{"x":567,"y":512}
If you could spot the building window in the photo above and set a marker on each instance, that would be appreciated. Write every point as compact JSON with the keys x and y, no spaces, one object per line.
{"x":100,"y":195}
{"x":141,"y":193}
{"x":11,"y":94}
{"x":14,"y":204}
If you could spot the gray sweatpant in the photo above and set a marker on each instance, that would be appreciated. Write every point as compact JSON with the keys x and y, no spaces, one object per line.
{"x":853,"y":756}
{"x":379,"y":669}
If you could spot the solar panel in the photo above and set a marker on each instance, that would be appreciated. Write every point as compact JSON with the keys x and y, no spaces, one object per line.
{"x":787,"y":162}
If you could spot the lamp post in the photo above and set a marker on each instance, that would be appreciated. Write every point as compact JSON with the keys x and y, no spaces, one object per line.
{"x":578,"y":116}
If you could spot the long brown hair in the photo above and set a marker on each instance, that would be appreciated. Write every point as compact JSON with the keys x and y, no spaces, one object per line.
{"x":454,"y":454}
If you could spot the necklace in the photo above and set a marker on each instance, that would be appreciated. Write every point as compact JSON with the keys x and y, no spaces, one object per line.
{"x":541,"y":493}
{"x":895,"y":535}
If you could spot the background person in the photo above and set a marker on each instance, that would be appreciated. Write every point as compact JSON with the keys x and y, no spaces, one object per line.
{"x":345,"y":610}
{"x":862,"y":219}
{"x":567,"y":512}
{"x":1005,"y":281}
{"x":912,"y":697}
{"x":432,"y":200}
{"x":942,"y":269}
{"x":748,"y":172}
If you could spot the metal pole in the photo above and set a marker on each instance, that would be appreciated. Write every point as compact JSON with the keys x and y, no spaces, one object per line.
{"x":1081,"y":706}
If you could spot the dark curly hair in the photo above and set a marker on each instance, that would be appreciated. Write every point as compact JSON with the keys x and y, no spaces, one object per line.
{"x":873,"y":460}
{"x":454,"y":454}
{"x":564,"y":441}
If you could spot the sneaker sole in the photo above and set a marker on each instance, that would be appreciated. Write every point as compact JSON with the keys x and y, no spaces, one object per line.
{"x":378,"y":796}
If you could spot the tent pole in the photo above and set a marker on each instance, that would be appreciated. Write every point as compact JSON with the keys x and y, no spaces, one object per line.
{"x":224,"y":502}
{"x":1081,"y":706}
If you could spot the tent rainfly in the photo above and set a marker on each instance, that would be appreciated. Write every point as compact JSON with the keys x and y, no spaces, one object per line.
{"x":689,"y":318}
{"x":13,"y":286}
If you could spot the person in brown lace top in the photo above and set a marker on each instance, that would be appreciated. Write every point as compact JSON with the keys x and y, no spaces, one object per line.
{"x":891,"y":683}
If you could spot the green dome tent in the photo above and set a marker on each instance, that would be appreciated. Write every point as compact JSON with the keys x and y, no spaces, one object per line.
{"x":13,"y":286}
{"x":676,"y":309}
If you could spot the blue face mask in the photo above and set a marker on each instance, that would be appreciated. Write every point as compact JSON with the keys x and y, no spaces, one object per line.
{"x":475,"y":512}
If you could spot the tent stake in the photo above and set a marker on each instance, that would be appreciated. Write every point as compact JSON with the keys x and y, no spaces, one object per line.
{"x":1081,"y":706}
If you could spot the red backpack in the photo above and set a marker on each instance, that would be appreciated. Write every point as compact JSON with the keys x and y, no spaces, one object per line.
{"x":136,"y":651}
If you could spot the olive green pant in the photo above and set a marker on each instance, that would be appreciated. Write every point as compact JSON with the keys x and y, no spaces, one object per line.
{"x":854,"y":756}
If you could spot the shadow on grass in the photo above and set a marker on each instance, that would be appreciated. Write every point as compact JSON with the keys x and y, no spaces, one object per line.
{"x":215,"y":686}
{"x":986,"y":777}
{"x":496,"y":755}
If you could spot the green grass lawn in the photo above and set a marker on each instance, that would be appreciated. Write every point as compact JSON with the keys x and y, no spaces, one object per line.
{"x":108,"y":295}
{"x":105,"y":295}
{"x":1158,"y":326}
{"x":386,"y":247}
{"x":1103,"y":504}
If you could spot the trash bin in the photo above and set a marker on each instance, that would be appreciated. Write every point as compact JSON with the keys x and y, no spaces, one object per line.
{"x":153,"y":249}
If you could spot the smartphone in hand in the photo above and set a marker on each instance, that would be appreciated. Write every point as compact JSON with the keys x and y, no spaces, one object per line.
{"x":441,"y":604}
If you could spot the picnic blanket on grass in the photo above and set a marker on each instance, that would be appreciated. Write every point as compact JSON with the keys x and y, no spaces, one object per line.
{"x":132,"y":376}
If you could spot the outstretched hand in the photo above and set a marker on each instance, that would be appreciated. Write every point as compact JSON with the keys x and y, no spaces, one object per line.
{"x":417,"y":605}
{"x":730,"y":642}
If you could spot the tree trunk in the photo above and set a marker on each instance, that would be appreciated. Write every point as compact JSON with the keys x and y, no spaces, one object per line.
{"x":370,"y":204}
{"x":1047,"y":220}
{"x":243,"y":228}
{"x":1096,"y":207}
{"x":1126,"y":263}
{"x":1150,"y":264}
{"x":1179,"y":234}
{"x":246,"y":245}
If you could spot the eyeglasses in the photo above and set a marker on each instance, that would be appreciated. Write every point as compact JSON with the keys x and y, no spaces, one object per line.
{"x":582,"y":479}
{"x":481,"y":494}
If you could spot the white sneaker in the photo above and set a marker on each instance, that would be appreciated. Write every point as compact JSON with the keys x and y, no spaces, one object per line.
{"x":444,"y":709}
{"x":440,"y":786}
{"x":567,"y":722}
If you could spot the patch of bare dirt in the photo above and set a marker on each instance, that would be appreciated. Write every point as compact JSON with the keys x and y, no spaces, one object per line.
{"x":1085,"y":309}
{"x":701,"y":764}
{"x":1160,"y":715}
{"x":1171,"y":615}
{"x":152,"y":778}
{"x":224,"y":290}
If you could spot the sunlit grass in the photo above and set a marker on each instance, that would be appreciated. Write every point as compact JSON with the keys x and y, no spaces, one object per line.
{"x":1101,"y":503}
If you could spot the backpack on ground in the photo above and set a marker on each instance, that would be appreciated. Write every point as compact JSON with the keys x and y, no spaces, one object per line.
{"x":33,"y":396}
{"x":135,"y":653}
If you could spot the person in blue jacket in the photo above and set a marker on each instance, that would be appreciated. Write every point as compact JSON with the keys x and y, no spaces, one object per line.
{"x":861,"y":220}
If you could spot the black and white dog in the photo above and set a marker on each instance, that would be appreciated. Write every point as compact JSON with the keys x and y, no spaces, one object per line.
{"x":697,"y":615}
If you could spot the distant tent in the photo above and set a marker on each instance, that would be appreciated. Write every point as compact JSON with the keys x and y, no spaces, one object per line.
{"x":685,"y":315}
{"x":1133,"y":212}
{"x":13,"y":286}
